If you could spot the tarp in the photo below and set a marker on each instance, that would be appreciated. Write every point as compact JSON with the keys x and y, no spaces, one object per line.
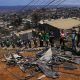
{"x":47,"y":55}
{"x":47,"y":71}
{"x":64,"y":23}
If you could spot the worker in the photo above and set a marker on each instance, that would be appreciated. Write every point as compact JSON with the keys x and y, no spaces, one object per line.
{"x":62,"y":37}
{"x":73,"y":39}
{"x":41,"y":39}
{"x":78,"y":38}
{"x":51,"y":38}
{"x":46,"y":38}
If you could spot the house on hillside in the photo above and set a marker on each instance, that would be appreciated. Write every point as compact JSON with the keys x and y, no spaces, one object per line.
{"x":24,"y":35}
{"x":47,"y":28}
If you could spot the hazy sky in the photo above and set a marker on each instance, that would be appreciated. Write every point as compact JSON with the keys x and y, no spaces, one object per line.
{"x":24,"y":2}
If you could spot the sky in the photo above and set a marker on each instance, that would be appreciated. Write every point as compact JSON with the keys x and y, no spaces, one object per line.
{"x":24,"y":2}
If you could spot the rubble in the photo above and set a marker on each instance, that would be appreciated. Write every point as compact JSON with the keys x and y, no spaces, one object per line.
{"x":45,"y":63}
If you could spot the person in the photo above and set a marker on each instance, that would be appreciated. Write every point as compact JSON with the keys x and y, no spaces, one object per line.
{"x":29,"y":43}
{"x":35,"y":41}
{"x":62,"y":37}
{"x":13,"y":41}
{"x":51,"y":38}
{"x":7,"y":43}
{"x":21,"y":42}
{"x":78,"y":38}
{"x":73,"y":39}
{"x":18,"y":43}
{"x":13,"y":44}
{"x":46,"y":38}
{"x":25,"y":43}
{"x":2,"y":44}
{"x":41,"y":39}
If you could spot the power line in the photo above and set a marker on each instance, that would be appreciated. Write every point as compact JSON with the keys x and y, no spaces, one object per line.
{"x":53,"y":1}
{"x":41,"y":3}
{"x":49,"y":3}
{"x":27,"y":5}
{"x":36,"y":2}
{"x":34,"y":5}
{"x":60,"y":3}
{"x":56,"y":2}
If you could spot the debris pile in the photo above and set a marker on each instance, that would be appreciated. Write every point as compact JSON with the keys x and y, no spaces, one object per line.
{"x":46,"y":61}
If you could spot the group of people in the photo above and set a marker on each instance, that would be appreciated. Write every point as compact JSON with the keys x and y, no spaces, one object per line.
{"x":15,"y":43}
{"x":75,"y":37}
{"x":46,"y":38}
{"x":43,"y":39}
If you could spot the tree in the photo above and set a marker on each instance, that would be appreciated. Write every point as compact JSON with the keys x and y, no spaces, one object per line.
{"x":27,"y":25}
{"x":16,"y":20}
{"x":35,"y":18}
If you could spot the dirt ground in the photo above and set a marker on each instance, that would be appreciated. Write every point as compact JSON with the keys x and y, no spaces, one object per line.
{"x":14,"y":73}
